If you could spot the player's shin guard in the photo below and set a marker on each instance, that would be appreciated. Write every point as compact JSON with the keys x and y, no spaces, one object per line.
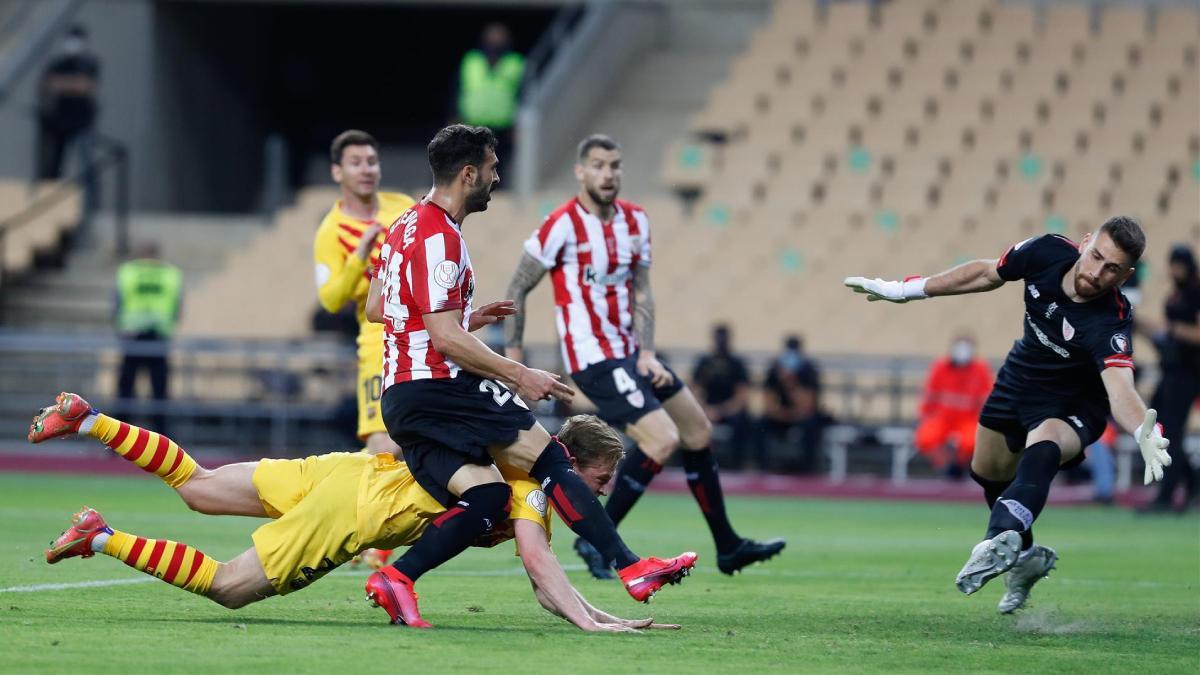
{"x":705,"y":483}
{"x":177,"y":564}
{"x":152,"y":452}
{"x":577,"y":506}
{"x":635,"y":475}
{"x":1020,"y":504}
{"x":479,"y":509}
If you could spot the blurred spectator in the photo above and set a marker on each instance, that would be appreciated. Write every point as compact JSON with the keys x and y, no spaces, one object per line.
{"x":489,"y":82}
{"x":792,"y":417}
{"x":1102,"y":463}
{"x":149,"y":295}
{"x":722,"y":384}
{"x":955,"y":389}
{"x":67,"y":111}
{"x":1179,"y":347}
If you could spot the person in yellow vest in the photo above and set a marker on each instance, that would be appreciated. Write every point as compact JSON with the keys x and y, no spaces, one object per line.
{"x":345,"y":252}
{"x":149,"y":299}
{"x":489,"y":84}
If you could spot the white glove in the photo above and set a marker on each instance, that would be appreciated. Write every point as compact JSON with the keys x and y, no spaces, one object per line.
{"x":1153,"y":445}
{"x":912,"y":288}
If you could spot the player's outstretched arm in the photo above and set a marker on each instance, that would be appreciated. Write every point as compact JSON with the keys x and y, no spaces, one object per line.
{"x":453,"y":341}
{"x":976,"y":276}
{"x":550,"y":584}
{"x":529,"y":272}
{"x":1131,"y":413}
{"x":601,"y":616}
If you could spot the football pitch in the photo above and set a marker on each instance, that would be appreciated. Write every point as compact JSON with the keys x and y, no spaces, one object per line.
{"x":862,"y":587}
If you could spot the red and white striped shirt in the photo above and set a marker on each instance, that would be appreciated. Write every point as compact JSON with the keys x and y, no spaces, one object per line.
{"x":424,"y":268}
{"x":591,"y":265}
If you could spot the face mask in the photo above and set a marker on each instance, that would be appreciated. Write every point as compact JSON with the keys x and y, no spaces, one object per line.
{"x":72,"y":46}
{"x":961,"y":353}
{"x":790,"y":361}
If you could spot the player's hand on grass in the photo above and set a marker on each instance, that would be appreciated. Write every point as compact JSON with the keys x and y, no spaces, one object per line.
{"x":648,"y":624}
{"x":1153,"y":446}
{"x":493,"y":312}
{"x":367,"y":243}
{"x":650,"y":367}
{"x":539,"y":385}
{"x":893,"y":291}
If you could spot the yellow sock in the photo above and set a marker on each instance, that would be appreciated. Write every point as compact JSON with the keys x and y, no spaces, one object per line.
{"x":151,"y":451}
{"x":177,"y":564}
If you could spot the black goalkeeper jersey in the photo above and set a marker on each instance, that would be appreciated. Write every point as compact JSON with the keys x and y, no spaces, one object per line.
{"x":1066,"y":344}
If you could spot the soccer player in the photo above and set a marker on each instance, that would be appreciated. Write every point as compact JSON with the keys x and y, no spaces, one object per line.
{"x":597,"y":250}
{"x":1055,"y":391}
{"x":345,"y":251}
{"x":452,"y":403}
{"x":324,"y":509}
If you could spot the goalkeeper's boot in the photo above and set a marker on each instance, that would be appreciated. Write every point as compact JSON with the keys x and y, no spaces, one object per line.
{"x":747,"y":553}
{"x":596,"y":565}
{"x":375,"y":558}
{"x":390,"y":589}
{"x":76,"y":541}
{"x":989,"y":559}
{"x":61,"y":419}
{"x":645,"y":577}
{"x":1030,"y":569}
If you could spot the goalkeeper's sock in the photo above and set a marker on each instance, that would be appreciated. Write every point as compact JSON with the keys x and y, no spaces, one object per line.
{"x":704,"y":481}
{"x":577,"y":505}
{"x":152,"y":452}
{"x":476,"y":512}
{"x":636,"y":473}
{"x":1020,"y":504}
{"x":992,"y":489}
{"x":177,"y":564}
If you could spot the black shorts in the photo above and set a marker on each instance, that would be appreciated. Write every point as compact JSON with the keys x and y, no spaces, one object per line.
{"x":1014,"y":409}
{"x":622,"y":396}
{"x":443,"y":425}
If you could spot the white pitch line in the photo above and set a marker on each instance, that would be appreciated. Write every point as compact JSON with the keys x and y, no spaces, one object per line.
{"x":36,"y":588}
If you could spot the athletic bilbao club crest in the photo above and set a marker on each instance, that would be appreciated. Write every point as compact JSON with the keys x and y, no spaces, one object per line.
{"x":1068,"y":330}
{"x":636,"y":399}
{"x":1119,"y":343}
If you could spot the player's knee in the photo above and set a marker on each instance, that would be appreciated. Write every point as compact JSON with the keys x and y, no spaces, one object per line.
{"x":229,"y":595}
{"x":663,"y":444}
{"x":195,"y":492}
{"x":697,"y":436}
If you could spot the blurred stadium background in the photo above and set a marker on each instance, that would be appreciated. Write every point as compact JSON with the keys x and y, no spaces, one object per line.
{"x":777,"y":146}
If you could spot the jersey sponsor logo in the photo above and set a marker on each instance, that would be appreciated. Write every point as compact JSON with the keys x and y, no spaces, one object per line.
{"x":1076,"y":421}
{"x":1068,"y":330}
{"x":1041,"y":337}
{"x":1119,"y":343}
{"x":1034,"y":291}
{"x":1051,"y":309}
{"x":591,"y":278}
{"x":537,"y":500}
{"x":446,"y":274}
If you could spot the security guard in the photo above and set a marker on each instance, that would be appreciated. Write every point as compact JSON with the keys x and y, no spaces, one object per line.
{"x":489,"y":83}
{"x":149,"y":294}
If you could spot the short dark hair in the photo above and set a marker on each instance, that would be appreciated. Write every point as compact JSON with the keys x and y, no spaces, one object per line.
{"x":348,"y":138}
{"x":456,"y":146}
{"x":590,"y":441}
{"x":602,"y":141}
{"x":1127,"y":234}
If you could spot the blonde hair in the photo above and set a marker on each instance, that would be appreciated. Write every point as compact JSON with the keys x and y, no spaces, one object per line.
{"x":590,"y":441}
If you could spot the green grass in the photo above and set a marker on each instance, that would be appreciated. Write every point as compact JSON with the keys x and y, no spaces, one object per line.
{"x":863,"y":587}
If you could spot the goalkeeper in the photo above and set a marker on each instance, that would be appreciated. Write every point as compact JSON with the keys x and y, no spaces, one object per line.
{"x":325,"y":509}
{"x":1054,"y":393}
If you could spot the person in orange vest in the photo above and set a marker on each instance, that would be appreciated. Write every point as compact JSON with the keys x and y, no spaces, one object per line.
{"x":955,"y":389}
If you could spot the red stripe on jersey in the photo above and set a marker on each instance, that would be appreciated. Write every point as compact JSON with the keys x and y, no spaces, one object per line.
{"x":568,"y":340}
{"x":135,"y":551}
{"x":561,"y":504}
{"x":160,"y":454}
{"x":347,"y":245}
{"x":1003,"y":258}
{"x":122,"y":432}
{"x":356,"y":231}
{"x":1073,"y":244}
{"x":585,"y":261}
{"x":139,"y":445}
{"x":610,"y":292}
{"x":175,"y":564}
{"x":1122,"y":307}
{"x":546,"y":229}
{"x":155,"y":555}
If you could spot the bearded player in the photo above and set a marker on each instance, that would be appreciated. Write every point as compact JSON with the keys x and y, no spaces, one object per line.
{"x":597,"y":250}
{"x":324,"y":509}
{"x":1053,"y":396}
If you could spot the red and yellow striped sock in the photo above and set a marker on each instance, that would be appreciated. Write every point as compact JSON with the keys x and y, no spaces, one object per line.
{"x":177,"y":564}
{"x":151,"y":451}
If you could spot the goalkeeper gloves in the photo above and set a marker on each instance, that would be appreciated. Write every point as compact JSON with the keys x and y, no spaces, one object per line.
{"x":1153,"y":445}
{"x":912,"y":288}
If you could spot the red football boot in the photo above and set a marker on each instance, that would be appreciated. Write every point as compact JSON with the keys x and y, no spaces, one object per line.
{"x":643,"y":578}
{"x":77,"y":539}
{"x":61,"y":419}
{"x":390,"y":589}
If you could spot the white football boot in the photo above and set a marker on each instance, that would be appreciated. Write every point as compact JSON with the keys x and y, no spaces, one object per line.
{"x":990,"y":558}
{"x":1027,"y":572}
